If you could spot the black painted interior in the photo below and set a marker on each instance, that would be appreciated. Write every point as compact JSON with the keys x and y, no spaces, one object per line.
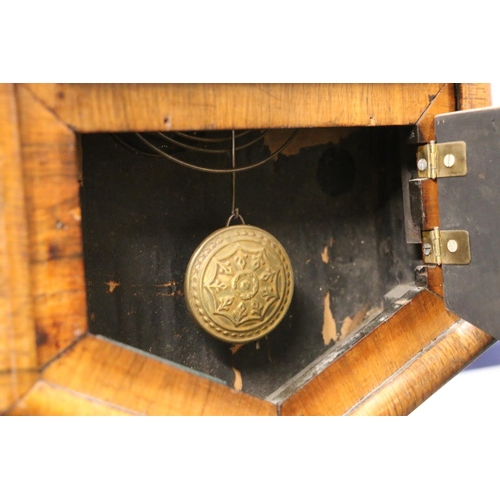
{"x":144,"y":216}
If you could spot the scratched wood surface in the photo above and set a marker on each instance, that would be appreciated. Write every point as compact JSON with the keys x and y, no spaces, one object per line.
{"x":18,"y":365}
{"x":374,"y":359}
{"x":50,"y":164}
{"x":426,"y":373}
{"x":143,"y":107}
{"x":133,"y":381}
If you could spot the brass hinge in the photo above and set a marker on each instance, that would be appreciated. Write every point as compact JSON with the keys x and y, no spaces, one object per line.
{"x":447,"y":159}
{"x":446,"y":247}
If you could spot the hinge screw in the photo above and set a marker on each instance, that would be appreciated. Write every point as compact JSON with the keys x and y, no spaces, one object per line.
{"x":422,"y":164}
{"x":452,"y":246}
{"x":427,"y":249}
{"x":449,"y":160}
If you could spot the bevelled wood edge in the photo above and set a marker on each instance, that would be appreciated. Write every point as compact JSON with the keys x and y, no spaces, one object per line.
{"x":133,"y":381}
{"x":428,"y":371}
{"x":45,"y":399}
{"x":18,"y":365}
{"x":373,"y":360}
{"x":424,"y":132}
{"x":431,"y":204}
{"x":443,"y":102}
{"x":50,"y":168}
{"x":430,"y":221}
{"x":169,"y":107}
{"x":473,"y":95}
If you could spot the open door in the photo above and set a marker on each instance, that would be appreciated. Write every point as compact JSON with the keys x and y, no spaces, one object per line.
{"x":472,"y":203}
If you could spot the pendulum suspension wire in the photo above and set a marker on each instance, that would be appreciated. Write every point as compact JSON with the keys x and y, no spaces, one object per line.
{"x":233,"y":166}
{"x":235,"y":212}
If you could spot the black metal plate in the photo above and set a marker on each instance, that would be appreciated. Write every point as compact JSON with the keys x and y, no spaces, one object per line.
{"x":472,"y":203}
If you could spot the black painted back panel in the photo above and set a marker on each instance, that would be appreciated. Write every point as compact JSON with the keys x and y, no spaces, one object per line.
{"x":143,"y":217}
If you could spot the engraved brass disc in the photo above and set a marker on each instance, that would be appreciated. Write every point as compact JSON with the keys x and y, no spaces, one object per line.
{"x":239,"y":283}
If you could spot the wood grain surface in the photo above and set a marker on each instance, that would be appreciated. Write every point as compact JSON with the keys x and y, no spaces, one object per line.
{"x":156,"y":107}
{"x":50,"y":165}
{"x":430,"y":221}
{"x":426,"y":373}
{"x":135,"y":382}
{"x":373,"y":360}
{"x":53,"y":400}
{"x":443,"y":102}
{"x":18,"y":366}
{"x":473,"y":95}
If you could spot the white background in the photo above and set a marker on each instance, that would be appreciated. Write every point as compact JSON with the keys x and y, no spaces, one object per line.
{"x":447,"y":456}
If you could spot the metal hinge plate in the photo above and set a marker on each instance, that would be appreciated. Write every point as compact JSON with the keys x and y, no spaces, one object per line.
{"x":446,"y":247}
{"x":447,"y":159}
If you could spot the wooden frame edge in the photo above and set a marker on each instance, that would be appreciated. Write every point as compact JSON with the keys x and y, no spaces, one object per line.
{"x":135,"y":382}
{"x":165,"y":107}
{"x":50,"y":166}
{"x":473,"y":95}
{"x":443,"y":102}
{"x":47,"y":399}
{"x":18,"y":366}
{"x":427,"y":372}
{"x":374,"y":360}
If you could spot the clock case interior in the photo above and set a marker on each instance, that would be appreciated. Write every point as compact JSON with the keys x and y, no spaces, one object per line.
{"x":333,"y":198}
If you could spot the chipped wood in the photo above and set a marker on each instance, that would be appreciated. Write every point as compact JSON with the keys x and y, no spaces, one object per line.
{"x":112,"y":285}
{"x":324,"y":255}
{"x":346,"y":328}
{"x":235,"y":348}
{"x":329,"y":330}
{"x":238,"y":381}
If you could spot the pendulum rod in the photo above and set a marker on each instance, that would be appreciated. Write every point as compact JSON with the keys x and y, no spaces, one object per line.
{"x":235,"y":212}
{"x":233,"y":166}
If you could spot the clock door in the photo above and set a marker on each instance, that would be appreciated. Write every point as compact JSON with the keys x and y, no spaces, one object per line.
{"x":472,"y":203}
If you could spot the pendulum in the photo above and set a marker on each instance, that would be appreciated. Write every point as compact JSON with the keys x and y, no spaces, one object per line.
{"x":239,"y":281}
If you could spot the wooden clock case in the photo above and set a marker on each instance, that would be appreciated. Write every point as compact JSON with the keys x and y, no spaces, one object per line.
{"x":51,"y":364}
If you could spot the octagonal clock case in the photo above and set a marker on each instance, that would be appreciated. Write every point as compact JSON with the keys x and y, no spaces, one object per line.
{"x":263,"y":249}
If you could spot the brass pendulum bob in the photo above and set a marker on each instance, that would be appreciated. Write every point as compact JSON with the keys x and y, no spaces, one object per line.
{"x":239,"y":281}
